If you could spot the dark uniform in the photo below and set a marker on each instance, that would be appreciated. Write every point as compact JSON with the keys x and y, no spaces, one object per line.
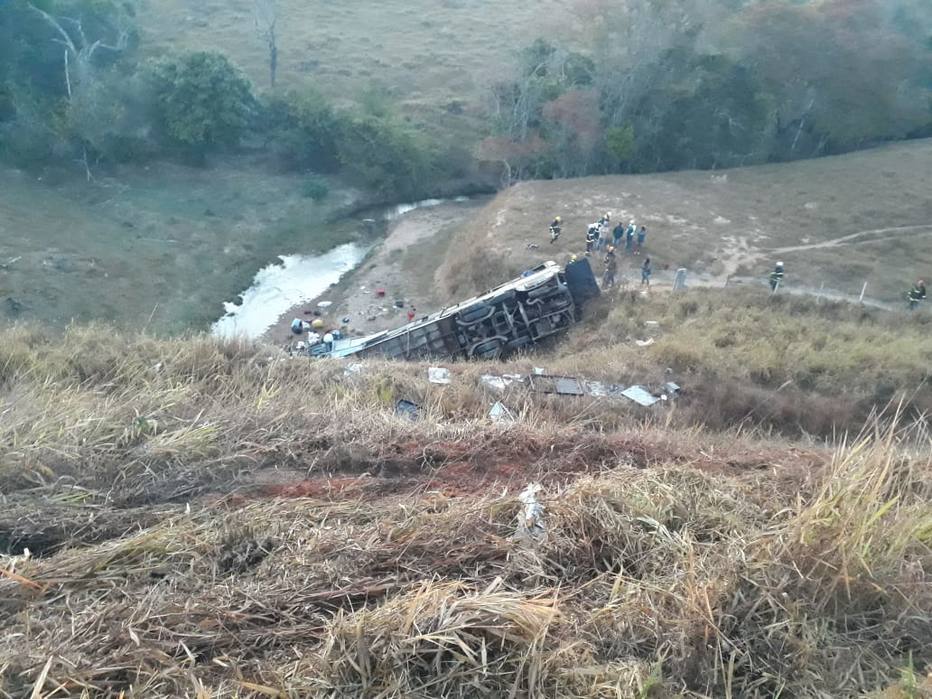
{"x":592,"y":235}
{"x":916,"y":294}
{"x":611,"y":270}
{"x":555,"y":230}
{"x":776,"y":277}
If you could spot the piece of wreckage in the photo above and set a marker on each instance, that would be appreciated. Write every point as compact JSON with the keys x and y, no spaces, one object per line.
{"x":543,"y":302}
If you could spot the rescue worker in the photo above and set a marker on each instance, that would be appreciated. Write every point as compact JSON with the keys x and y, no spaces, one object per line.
{"x":646,"y":271}
{"x":776,"y":277}
{"x":916,"y":294}
{"x":629,"y":237}
{"x":592,"y":236}
{"x":555,"y":229}
{"x":642,"y":236}
{"x":611,"y":268}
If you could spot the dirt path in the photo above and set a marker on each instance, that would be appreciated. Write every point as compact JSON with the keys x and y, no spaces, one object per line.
{"x":855,"y":238}
{"x":403,"y":264}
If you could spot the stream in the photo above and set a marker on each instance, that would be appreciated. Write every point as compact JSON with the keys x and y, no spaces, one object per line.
{"x":300,"y":278}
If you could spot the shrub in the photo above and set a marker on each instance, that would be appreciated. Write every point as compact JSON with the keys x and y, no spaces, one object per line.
{"x":202,"y":101}
{"x":383,"y":155}
{"x":302,"y":130}
{"x":316,"y":188}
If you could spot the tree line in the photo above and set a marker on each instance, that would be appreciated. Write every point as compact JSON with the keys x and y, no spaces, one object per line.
{"x":643,"y":86}
{"x":74,"y":89}
{"x":674,"y":84}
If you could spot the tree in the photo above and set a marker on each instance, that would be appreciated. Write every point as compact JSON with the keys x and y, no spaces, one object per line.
{"x":572,"y":124}
{"x":384,"y":155}
{"x":619,"y":140}
{"x":202,"y":101}
{"x":52,"y":56}
{"x":303,"y":130}
{"x":842,"y":74}
{"x":518,"y":159}
{"x":706,"y":112}
{"x":266,"y":17}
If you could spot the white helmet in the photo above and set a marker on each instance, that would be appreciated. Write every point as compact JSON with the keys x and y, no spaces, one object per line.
{"x":780,"y":263}
{"x":328,"y":338}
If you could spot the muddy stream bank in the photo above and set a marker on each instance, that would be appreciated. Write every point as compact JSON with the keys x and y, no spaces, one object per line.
{"x":398,"y":252}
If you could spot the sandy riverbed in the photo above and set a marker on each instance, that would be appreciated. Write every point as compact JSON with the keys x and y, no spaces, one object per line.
{"x":403,"y":264}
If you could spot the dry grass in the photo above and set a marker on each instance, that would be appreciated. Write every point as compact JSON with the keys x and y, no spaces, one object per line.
{"x":209,"y":518}
{"x":722,"y":224}
{"x":661,"y":582}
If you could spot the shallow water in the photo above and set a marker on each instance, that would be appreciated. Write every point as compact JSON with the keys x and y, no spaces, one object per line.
{"x":300,"y":278}
{"x":279,"y":287}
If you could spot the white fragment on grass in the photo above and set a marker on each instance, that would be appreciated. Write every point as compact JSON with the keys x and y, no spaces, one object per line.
{"x":438,"y":375}
{"x":500,"y":383}
{"x":531,"y":522}
{"x":354,"y":368}
{"x":644,"y":343}
{"x":500,"y":414}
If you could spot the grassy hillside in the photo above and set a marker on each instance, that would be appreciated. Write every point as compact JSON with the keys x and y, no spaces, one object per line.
{"x":842,"y":221}
{"x":210,"y":517}
{"x":437,"y":58}
{"x":170,"y":242}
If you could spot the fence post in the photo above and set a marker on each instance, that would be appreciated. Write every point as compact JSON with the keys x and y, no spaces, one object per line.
{"x":679,"y":280}
{"x":863,"y":289}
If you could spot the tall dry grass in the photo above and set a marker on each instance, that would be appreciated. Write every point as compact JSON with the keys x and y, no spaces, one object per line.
{"x":658,"y":582}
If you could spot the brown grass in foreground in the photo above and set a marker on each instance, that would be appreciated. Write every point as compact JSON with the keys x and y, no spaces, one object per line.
{"x":658,"y":582}
{"x":673,"y":562}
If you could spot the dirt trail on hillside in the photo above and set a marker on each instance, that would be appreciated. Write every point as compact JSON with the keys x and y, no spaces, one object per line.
{"x":855,"y":238}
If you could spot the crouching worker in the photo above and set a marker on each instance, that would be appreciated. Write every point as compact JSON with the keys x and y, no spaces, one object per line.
{"x":916,"y":295}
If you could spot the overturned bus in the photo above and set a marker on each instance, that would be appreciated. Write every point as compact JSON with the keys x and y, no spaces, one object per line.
{"x":543,"y":302}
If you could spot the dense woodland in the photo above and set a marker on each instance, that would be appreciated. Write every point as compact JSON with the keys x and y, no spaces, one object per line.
{"x":654,"y":85}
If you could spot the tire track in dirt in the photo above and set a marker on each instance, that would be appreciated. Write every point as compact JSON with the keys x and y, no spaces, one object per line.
{"x":923,"y":229}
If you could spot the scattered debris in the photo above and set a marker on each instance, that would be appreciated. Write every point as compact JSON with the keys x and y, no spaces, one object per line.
{"x":644,"y":343}
{"x":561,"y":385}
{"x":572,"y":386}
{"x":438,"y":375}
{"x":531,"y":522}
{"x":325,"y":304}
{"x":353,"y":369}
{"x":598,"y":389}
{"x":640,"y":395}
{"x":651,"y":323}
{"x":500,"y":383}
{"x":406,"y":408}
{"x":501,"y":414}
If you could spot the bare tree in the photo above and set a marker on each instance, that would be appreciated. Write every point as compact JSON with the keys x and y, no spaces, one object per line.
{"x":266,"y":16}
{"x":79,"y":53}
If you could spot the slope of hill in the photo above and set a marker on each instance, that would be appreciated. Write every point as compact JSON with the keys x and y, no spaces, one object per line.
{"x":841,"y":221}
{"x":166,"y":243}
{"x":211,"y":518}
{"x":418,"y":49}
